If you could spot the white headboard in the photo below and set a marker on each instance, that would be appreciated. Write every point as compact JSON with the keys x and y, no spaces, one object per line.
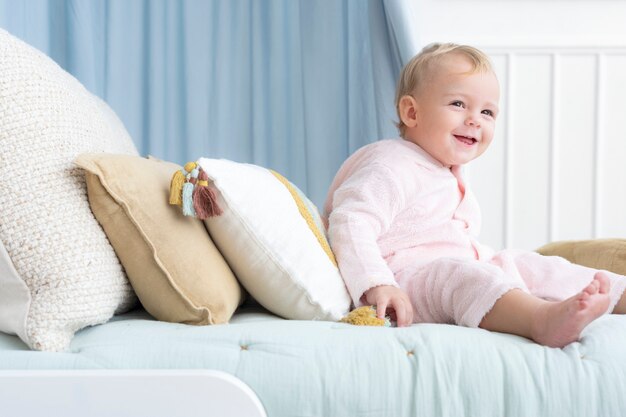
{"x":557,"y":167}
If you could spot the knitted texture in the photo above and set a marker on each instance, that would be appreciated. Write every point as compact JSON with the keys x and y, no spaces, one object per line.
{"x":59,"y":250}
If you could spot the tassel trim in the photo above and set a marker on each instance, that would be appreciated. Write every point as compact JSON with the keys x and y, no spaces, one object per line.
{"x":204,"y":198}
{"x":190,"y":189}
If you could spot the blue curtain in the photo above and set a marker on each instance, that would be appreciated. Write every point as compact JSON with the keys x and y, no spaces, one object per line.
{"x":295,"y":86}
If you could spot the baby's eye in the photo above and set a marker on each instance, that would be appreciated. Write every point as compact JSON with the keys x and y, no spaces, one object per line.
{"x":487,"y":112}
{"x":457,"y":104}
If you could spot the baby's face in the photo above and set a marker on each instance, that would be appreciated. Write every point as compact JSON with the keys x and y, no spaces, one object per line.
{"x":456,"y":112}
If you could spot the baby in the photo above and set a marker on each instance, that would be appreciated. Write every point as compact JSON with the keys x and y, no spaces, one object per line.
{"x":403,"y":223}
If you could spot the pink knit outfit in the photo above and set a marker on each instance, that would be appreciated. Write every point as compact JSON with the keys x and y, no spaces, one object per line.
{"x":396,"y":216}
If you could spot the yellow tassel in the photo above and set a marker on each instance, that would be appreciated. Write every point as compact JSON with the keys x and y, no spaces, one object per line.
{"x":364,"y":316}
{"x":176,"y":185}
{"x":176,"y":188}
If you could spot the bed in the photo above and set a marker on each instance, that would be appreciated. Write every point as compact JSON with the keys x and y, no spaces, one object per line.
{"x":315,"y":368}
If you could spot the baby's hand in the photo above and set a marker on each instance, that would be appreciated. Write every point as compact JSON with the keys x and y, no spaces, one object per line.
{"x":387,"y":296}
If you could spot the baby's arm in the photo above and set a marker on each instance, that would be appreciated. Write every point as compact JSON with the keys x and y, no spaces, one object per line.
{"x":387,"y":297}
{"x":363,"y":209}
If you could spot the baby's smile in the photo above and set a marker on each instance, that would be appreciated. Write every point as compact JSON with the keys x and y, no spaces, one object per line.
{"x":467,"y":140}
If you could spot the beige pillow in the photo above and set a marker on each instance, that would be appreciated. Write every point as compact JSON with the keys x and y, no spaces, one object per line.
{"x":171,"y":261}
{"x":607,"y":254}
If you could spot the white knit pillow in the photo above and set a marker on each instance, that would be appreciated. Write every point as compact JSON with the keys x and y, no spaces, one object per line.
{"x":70,"y":276}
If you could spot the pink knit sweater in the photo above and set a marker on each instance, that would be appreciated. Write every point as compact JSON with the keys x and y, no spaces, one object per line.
{"x":392,"y":206}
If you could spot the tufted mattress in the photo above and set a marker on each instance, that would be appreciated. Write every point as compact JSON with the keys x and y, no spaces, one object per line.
{"x":308,"y":368}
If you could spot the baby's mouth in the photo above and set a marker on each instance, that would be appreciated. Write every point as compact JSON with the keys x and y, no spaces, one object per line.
{"x":465,"y":139}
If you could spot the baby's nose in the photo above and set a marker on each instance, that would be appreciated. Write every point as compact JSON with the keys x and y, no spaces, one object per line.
{"x":472,"y":121}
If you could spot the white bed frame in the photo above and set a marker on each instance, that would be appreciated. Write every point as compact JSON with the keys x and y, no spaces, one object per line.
{"x":126,"y":393}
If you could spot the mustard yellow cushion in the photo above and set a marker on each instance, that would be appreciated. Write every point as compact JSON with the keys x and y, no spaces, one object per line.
{"x":608,"y":254}
{"x":171,"y":261}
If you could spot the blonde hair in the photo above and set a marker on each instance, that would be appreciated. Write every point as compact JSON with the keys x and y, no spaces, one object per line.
{"x":416,"y":71}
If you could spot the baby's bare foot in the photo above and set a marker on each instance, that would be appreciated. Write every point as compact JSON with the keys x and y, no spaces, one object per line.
{"x":557,"y":324}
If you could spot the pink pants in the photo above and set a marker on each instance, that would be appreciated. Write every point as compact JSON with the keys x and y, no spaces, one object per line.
{"x":463,"y":291}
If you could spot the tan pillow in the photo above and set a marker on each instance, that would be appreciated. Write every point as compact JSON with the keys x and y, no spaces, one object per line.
{"x":171,"y":261}
{"x":608,"y":254}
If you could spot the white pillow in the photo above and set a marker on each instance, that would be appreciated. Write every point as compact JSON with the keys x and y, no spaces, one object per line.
{"x":67,"y":275}
{"x":273,"y":239}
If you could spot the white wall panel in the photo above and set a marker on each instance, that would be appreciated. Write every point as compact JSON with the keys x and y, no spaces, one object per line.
{"x":574,"y":140}
{"x":516,"y":23}
{"x":529,"y":148}
{"x":612,"y":150}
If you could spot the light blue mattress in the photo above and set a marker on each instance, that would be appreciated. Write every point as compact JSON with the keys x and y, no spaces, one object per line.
{"x":300,"y":368}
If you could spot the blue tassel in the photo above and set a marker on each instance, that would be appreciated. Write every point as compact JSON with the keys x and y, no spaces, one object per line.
{"x":188,"y":209}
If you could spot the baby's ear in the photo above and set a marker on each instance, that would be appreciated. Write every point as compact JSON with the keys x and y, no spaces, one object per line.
{"x":408,"y":111}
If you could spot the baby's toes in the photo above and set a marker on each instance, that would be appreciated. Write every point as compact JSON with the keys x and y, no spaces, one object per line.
{"x":584,"y":295}
{"x":604,"y":284}
{"x":591,"y":289}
